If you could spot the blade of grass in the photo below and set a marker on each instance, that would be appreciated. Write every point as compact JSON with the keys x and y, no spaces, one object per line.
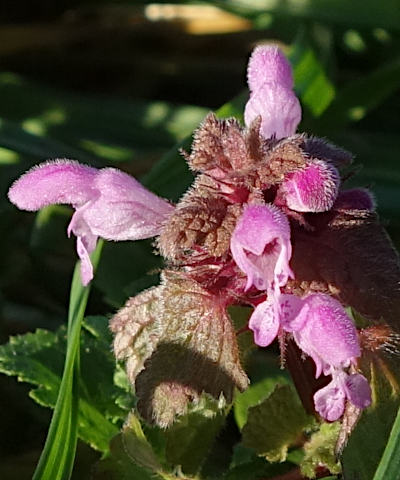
{"x":389,"y":466}
{"x":57,"y":458}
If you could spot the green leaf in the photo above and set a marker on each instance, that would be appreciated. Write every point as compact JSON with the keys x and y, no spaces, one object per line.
{"x":357,"y":98}
{"x":320,"y":450}
{"x":365,"y":454}
{"x":275,"y":424}
{"x":57,"y":457}
{"x":37,"y":358}
{"x":389,"y":466}
{"x":366,"y":13}
{"x":192,"y":436}
{"x":311,"y":82}
{"x":256,"y":393}
{"x":119,"y":466}
{"x":18,"y":139}
{"x":246,"y":465}
{"x":137,"y":446}
{"x":106,"y":129}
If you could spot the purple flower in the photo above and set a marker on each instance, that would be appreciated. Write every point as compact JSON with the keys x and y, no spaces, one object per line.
{"x":271,"y":93}
{"x":312,"y":189}
{"x":261,"y":247}
{"x":330,"y":401}
{"x":355,"y":199}
{"x":108,"y":203}
{"x":322,"y":330}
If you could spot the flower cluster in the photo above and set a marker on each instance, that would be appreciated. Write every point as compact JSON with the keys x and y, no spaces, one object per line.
{"x":266,"y":223}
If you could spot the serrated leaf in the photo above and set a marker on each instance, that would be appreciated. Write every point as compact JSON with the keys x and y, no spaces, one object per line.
{"x":275,"y":424}
{"x":255,"y":394}
{"x":119,"y":466}
{"x":192,"y":436}
{"x":178,"y":341}
{"x":320,"y":450}
{"x":37,"y":358}
{"x":137,"y":446}
{"x":246,"y":465}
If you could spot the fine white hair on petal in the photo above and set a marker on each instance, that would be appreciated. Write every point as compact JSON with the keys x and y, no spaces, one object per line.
{"x":268,"y":64}
{"x":278,"y":107}
{"x":52,"y":182}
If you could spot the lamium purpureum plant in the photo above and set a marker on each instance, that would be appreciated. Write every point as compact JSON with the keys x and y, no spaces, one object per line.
{"x":261,"y":226}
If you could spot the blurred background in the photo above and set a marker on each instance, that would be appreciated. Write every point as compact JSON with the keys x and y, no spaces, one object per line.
{"x":120,"y":83}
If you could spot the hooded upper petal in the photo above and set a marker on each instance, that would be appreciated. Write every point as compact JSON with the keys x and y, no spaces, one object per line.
{"x":109,"y":204}
{"x":328,"y":334}
{"x":268,"y":64}
{"x":124,"y":210}
{"x":272,"y":97}
{"x":59,"y":181}
{"x":261,"y":247}
{"x":312,"y":189}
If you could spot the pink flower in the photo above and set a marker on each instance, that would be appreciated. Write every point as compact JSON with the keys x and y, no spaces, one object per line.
{"x":261,"y":247}
{"x":108,"y":203}
{"x":271,"y":93}
{"x":312,"y":189}
{"x":322,"y":330}
{"x":330,"y":401}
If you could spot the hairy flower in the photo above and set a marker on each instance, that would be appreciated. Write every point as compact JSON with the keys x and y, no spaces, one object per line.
{"x":271,"y":95}
{"x":108,"y":203}
{"x":261,"y":247}
{"x":323,"y":330}
{"x":265,"y":218}
{"x":311,"y":189}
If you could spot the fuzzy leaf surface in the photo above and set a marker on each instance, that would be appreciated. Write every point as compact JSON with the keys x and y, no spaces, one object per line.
{"x":275,"y":424}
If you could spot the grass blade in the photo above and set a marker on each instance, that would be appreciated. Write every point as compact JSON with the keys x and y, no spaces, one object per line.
{"x":389,"y":466}
{"x":57,"y":458}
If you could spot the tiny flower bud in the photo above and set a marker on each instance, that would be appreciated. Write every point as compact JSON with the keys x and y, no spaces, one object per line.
{"x":312,"y":189}
{"x":268,"y":64}
{"x":272,"y":98}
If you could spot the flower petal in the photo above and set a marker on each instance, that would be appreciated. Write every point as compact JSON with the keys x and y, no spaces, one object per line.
{"x":125,"y":210}
{"x":260,"y":246}
{"x":312,"y":189}
{"x":357,"y":390}
{"x":268,"y":64}
{"x":355,"y":199}
{"x":265,"y":323}
{"x":328,"y":335}
{"x":278,"y":107}
{"x":290,"y":308}
{"x":85,"y":243}
{"x":329,"y":401}
{"x":59,"y":181}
